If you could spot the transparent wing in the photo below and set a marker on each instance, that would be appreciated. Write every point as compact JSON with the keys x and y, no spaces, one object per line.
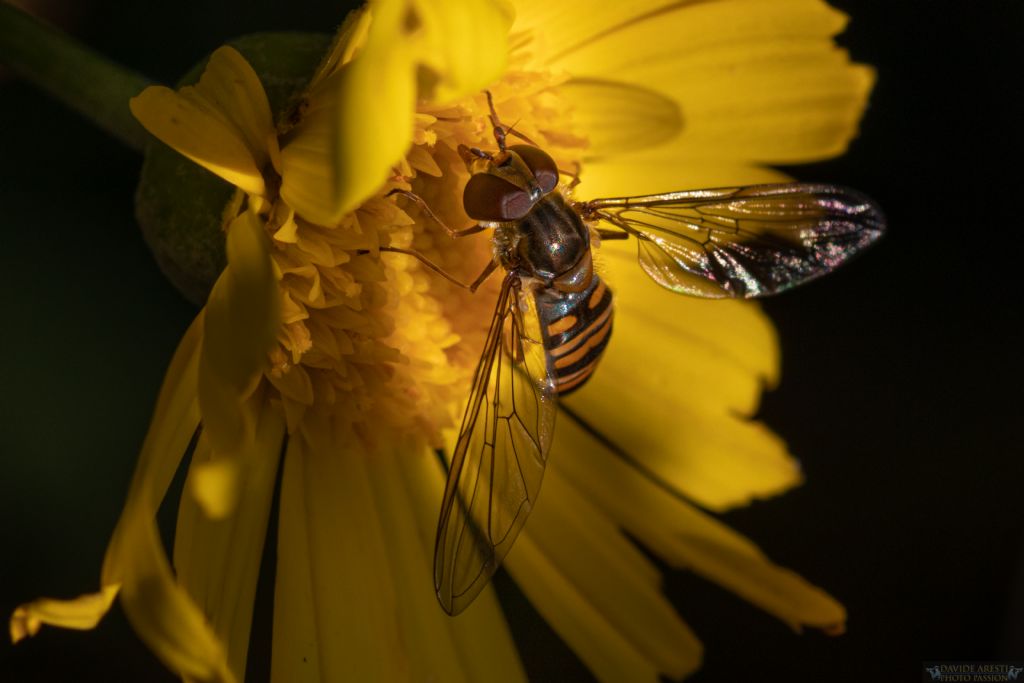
{"x":743,"y":241}
{"x":498,"y":462}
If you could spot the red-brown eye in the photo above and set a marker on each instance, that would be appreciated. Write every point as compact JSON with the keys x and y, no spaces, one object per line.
{"x":540,"y":163}
{"x":489,"y":198}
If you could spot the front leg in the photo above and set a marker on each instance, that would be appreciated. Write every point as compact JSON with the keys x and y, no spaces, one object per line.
{"x":472,"y":287}
{"x":452,"y":232}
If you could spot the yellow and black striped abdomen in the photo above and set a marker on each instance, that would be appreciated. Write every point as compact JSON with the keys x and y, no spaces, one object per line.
{"x":576,"y":328}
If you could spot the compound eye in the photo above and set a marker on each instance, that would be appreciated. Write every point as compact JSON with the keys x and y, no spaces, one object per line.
{"x":489,"y":198}
{"x":540,"y":163}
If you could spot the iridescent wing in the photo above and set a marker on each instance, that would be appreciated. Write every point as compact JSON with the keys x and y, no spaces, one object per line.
{"x":743,"y":241}
{"x":498,"y":462}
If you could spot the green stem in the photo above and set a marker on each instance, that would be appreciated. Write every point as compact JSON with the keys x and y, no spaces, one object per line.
{"x":85,"y":81}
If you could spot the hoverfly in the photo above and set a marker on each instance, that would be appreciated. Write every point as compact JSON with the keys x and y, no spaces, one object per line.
{"x":553,"y":317}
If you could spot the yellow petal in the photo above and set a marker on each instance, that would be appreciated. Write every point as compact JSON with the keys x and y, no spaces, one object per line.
{"x":213,"y":483}
{"x":618,"y":117}
{"x":666,"y":170}
{"x":477,"y":646}
{"x":463,"y":43}
{"x":680,"y":413}
{"x":681,"y":416}
{"x":720,"y":462}
{"x":83,"y":612}
{"x":242,"y":318}
{"x":687,"y":538}
{"x":217,"y":558}
{"x":730,"y":344}
{"x":295,"y":657}
{"x":339,"y":613}
{"x":343,"y":631}
{"x":734,"y":331}
{"x":359,"y":120}
{"x":793,"y":114}
{"x":665,"y":31}
{"x":159,"y":609}
{"x":222,"y":123}
{"x":233,"y":88}
{"x":755,"y":80}
{"x":565,"y":25}
{"x":577,"y":536}
{"x":174,"y":423}
{"x":348,"y":39}
{"x":198,"y":133}
{"x":606,"y":652}
{"x":358,"y":125}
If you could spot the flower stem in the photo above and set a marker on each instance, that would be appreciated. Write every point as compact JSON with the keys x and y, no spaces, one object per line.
{"x":85,"y":81}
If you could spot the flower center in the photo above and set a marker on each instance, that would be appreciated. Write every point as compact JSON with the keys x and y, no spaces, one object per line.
{"x":378,"y":338}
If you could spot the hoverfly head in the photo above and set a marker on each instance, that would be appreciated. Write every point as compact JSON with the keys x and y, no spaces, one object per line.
{"x":490,"y":197}
{"x":512,"y":183}
{"x":540,"y":165}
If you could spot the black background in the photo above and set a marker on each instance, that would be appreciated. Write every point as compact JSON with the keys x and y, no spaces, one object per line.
{"x":901,"y":375}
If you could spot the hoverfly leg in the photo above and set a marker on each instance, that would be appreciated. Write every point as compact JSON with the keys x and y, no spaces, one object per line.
{"x":482,"y":277}
{"x":575,"y":175}
{"x":452,"y":232}
{"x":438,"y":269}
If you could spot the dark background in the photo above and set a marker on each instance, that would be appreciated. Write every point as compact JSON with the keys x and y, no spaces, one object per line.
{"x":901,"y":382}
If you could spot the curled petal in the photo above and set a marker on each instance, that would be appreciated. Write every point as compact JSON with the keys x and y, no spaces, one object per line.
{"x":221,"y":123}
{"x":241,"y":319}
{"x":158,"y":607}
{"x":231,"y":85}
{"x":160,"y":610}
{"x":357,"y":126}
{"x":83,"y":612}
{"x":222,"y":527}
{"x":359,"y":119}
{"x":464,"y":46}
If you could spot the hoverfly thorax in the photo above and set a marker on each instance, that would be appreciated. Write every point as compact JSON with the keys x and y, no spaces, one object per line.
{"x":515,"y":192}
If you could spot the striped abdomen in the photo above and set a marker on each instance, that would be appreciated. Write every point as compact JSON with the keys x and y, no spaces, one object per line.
{"x":576,"y":327}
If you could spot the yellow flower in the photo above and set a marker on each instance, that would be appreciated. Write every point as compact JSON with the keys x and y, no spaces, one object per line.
{"x":356,"y":364}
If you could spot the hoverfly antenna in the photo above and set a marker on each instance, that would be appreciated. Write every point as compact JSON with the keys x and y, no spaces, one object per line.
{"x":499,"y":131}
{"x":511,"y":130}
